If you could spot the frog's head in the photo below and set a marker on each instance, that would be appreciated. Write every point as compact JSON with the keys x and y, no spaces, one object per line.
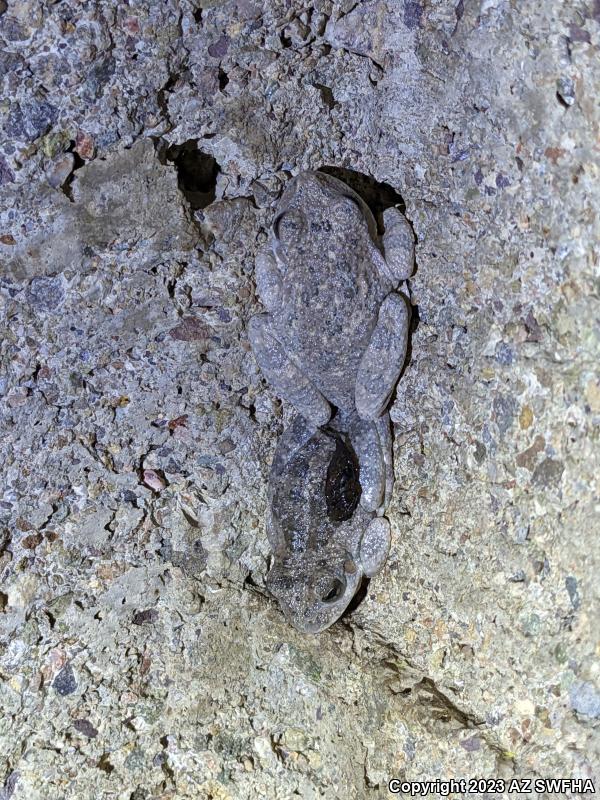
{"x":319,"y":210}
{"x":314,"y":593}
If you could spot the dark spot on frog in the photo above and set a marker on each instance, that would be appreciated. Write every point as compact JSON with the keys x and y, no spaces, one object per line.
{"x":323,"y":225}
{"x":342,"y":487}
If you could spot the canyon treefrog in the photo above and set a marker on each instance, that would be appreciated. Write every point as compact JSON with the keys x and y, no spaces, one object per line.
{"x":323,"y":540}
{"x":336,"y":330}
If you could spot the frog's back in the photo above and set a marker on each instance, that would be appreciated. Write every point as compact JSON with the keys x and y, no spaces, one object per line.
{"x":299,"y":521}
{"x":333,"y":285}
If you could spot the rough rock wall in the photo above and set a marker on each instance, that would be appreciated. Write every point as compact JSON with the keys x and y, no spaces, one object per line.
{"x":143,"y":147}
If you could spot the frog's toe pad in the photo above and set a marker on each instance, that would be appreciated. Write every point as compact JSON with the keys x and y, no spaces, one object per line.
{"x":375,"y":546}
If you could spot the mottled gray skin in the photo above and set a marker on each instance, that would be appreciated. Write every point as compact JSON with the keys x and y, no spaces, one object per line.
{"x":335,"y":335}
{"x":336,"y":332}
{"x":319,"y":560}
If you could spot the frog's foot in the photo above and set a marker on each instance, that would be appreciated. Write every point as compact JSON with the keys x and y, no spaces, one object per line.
{"x":382,"y":361}
{"x":268,"y":278}
{"x":285,"y":377}
{"x":398,"y":243}
{"x":375,"y":546}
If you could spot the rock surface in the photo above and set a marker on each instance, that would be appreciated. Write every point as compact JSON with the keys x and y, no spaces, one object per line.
{"x":143,"y":148}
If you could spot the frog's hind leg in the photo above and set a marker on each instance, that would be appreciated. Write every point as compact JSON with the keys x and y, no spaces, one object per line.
{"x":372,"y":443}
{"x":365,"y":441}
{"x":382,"y":361}
{"x":285,"y":377}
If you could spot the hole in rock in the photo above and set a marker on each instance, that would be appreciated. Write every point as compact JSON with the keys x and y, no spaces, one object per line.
{"x":223,"y":79}
{"x":78,"y":162}
{"x":414,"y":318}
{"x":197,"y":172}
{"x":104,"y":764}
{"x":326,"y":96}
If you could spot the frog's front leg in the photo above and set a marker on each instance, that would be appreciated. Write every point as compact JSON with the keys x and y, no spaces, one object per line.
{"x":382,"y":361}
{"x":284,"y":376}
{"x":375,"y":546}
{"x":398,"y":242}
{"x":268,"y":278}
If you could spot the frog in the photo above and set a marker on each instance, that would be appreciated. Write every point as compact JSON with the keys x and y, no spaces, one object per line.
{"x":334,"y":336}
{"x":324,"y":542}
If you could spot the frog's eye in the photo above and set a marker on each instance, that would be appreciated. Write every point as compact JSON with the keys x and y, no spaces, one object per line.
{"x":331,"y":590}
{"x":289,"y":226}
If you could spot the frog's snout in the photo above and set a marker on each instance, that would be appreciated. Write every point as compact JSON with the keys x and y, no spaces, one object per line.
{"x":313,"y":600}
